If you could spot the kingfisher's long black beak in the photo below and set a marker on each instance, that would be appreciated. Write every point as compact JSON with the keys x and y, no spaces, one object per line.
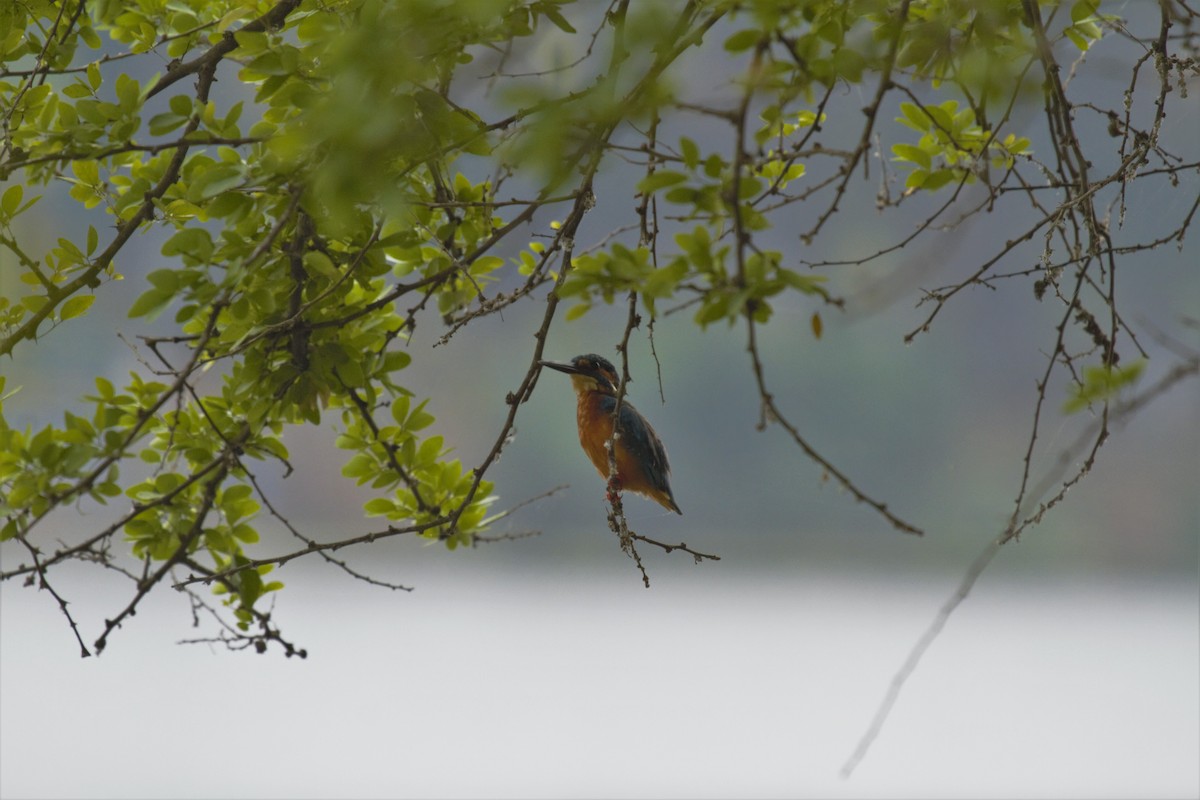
{"x":570,"y":369}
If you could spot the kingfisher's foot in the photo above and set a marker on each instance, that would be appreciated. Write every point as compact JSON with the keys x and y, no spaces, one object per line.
{"x":614,"y":491}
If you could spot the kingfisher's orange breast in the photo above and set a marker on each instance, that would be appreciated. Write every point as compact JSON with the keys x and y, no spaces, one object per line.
{"x":594,"y":418}
{"x":595,"y":432}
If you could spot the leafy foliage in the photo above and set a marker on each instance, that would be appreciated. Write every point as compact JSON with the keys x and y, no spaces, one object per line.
{"x":355,"y":185}
{"x":1101,"y":383}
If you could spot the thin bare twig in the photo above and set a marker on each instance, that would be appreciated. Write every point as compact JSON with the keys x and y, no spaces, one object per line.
{"x":1122,"y":411}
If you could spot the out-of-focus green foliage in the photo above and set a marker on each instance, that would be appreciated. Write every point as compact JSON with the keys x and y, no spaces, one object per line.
{"x":1101,"y":383}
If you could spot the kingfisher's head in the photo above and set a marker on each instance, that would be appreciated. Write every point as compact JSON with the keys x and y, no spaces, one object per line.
{"x":589,"y":373}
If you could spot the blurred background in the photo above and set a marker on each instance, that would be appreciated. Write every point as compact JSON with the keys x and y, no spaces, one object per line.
{"x":542,"y":668}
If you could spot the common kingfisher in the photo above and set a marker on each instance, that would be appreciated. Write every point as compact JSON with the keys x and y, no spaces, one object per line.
{"x":641,"y":458}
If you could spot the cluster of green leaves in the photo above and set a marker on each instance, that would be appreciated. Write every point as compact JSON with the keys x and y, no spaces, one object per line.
{"x":352,"y":111}
{"x":423,"y":486}
{"x":1085,"y":30}
{"x":725,"y":294}
{"x":797,"y":51}
{"x":292,"y":239}
{"x":170,"y":518}
{"x":982,"y":47}
{"x":977,"y":43}
{"x":952,"y":147}
{"x":823,"y":43}
{"x":37,"y":468}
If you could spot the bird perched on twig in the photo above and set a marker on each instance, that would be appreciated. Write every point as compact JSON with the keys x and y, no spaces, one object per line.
{"x":641,"y":459}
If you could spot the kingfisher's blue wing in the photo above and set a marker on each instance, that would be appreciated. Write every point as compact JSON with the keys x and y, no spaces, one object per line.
{"x":642,"y":442}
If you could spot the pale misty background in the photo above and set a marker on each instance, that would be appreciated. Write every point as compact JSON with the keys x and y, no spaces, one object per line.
{"x":541,"y":667}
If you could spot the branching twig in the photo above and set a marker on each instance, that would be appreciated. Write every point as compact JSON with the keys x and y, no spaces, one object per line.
{"x":770,"y":413}
{"x":1121,"y":411}
{"x":44,"y":583}
{"x":185,"y":542}
{"x":315,"y":547}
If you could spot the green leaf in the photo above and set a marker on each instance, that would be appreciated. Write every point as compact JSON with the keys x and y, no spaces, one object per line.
{"x":430,"y":451}
{"x":128,"y":92}
{"x":939,"y":178}
{"x":660,"y":180}
{"x":395,"y":360}
{"x":89,"y":37}
{"x":181,"y":105}
{"x":317,"y":263}
{"x":1081,"y":42}
{"x":379,"y":506}
{"x":194,"y":242}
{"x":908,"y":152}
{"x":166,"y":280}
{"x":419,"y":419}
{"x":76,"y":306}
{"x":236,"y":493}
{"x":1100,"y":384}
{"x":914,"y":117}
{"x":351,"y":373}
{"x":360,"y":465}
{"x":76,"y":91}
{"x":690,"y":152}
{"x":150,"y":304}
{"x":11,"y":200}
{"x":809,"y":284}
{"x":162,"y":124}
{"x":943,"y":116}
{"x":743,"y":40}
{"x":214,"y":180}
{"x":1084,"y":9}
{"x":245,"y":533}
{"x":400,"y":410}
{"x":551,"y":13}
